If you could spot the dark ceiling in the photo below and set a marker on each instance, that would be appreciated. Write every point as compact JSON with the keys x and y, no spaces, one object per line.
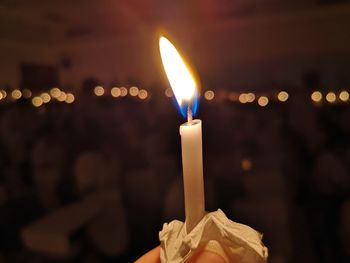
{"x":42,"y":21}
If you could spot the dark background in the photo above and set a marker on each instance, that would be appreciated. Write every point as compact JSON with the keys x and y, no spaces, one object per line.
{"x":91,"y":175}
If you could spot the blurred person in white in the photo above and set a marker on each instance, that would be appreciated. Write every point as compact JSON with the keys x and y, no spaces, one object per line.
{"x":99,"y":210}
{"x":97,"y":174}
{"x":49,"y":162}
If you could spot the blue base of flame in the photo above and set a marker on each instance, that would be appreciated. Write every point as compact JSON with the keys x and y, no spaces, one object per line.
{"x":183,"y":108}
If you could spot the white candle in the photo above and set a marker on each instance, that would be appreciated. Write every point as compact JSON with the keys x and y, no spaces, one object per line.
{"x":192,"y":165}
{"x":184,"y":88}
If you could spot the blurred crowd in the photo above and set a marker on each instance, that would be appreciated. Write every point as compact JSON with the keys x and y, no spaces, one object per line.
{"x":283,"y":168}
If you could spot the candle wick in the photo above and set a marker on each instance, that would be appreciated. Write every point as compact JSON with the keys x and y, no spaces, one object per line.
{"x":189,"y":114}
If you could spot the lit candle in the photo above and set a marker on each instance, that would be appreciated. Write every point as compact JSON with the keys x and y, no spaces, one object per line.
{"x":185,"y":90}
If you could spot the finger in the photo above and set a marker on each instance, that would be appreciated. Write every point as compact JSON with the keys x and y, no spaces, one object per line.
{"x":206,"y":257}
{"x":152,"y":256}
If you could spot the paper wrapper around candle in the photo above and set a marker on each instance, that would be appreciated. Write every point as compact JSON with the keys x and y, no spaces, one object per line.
{"x":216,"y":233}
{"x":191,"y":145}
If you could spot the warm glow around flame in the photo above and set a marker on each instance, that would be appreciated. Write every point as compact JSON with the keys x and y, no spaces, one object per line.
{"x":179,"y":76}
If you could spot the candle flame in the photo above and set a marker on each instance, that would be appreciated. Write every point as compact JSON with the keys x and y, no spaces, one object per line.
{"x":179,"y":75}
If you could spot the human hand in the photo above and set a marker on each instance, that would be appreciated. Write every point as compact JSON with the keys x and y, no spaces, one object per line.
{"x":153,"y":256}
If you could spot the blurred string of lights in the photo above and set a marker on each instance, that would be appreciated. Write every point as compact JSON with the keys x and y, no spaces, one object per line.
{"x":56,"y":94}
{"x":262,"y":99}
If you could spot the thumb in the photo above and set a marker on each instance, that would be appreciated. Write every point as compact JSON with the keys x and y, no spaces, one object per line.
{"x":206,"y":257}
{"x":152,"y":256}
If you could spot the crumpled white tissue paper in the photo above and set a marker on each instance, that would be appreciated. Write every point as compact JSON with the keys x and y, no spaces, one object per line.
{"x":215,"y":232}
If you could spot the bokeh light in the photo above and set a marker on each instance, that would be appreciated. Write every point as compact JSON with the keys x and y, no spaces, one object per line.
{"x":16,"y":94}
{"x":55,"y":92}
{"x":45,"y":97}
{"x":250,"y":97}
{"x":123,"y":91}
{"x":246,"y":165}
{"x":27,"y":93}
{"x":62,"y":97}
{"x":3,"y":93}
{"x":143,"y":94}
{"x":37,"y":101}
{"x":283,"y":96}
{"x":115,"y":92}
{"x":134,"y":91}
{"x":344,"y":95}
{"x":209,"y":95}
{"x":169,"y":92}
{"x":243,"y":98}
{"x":316,"y":96}
{"x":99,"y":91}
{"x":263,"y":101}
{"x":70,"y":98}
{"x":331,"y":97}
